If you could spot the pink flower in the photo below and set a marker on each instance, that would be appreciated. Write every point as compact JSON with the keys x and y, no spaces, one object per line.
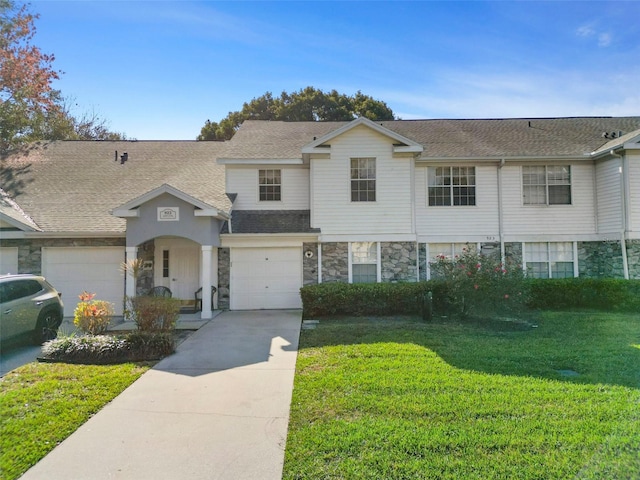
{"x":478,"y":266}
{"x":476,"y":286}
{"x":469,"y":274}
{"x":506,"y":296}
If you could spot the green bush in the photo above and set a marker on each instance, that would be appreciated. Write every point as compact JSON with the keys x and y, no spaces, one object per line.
{"x":153,"y":313}
{"x":482,"y":286}
{"x":359,"y":299}
{"x":103,"y":349}
{"x":593,"y":293}
{"x":151,"y":345}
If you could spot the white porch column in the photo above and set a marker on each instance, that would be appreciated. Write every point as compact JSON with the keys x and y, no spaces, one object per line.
{"x":206,"y":281}
{"x":131,"y":253}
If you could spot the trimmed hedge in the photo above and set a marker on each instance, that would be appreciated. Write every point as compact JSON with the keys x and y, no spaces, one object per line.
{"x":362,"y":299}
{"x":592,"y":293}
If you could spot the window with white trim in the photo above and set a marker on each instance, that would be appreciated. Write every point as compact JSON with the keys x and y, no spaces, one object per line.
{"x":452,"y":186}
{"x":449,"y":251}
{"x":546,"y":185}
{"x":364,"y":262}
{"x":363,"y":179}
{"x":549,"y":260}
{"x":270,"y":185}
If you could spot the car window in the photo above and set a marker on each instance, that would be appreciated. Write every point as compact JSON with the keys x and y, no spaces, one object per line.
{"x":19,"y":289}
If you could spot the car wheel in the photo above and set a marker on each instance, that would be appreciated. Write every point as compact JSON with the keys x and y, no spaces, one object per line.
{"x":47,"y":327}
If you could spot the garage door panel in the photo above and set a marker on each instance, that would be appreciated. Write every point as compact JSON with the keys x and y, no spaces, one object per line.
{"x":8,"y":260}
{"x":72,"y":270}
{"x":266,"y":278}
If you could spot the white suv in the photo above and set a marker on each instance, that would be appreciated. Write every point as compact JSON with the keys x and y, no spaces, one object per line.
{"x":29,"y":305}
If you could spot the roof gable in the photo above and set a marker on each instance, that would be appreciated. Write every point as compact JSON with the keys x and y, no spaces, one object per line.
{"x":130,"y":209}
{"x":12,"y":214}
{"x":630,"y":140}
{"x":403,"y":144}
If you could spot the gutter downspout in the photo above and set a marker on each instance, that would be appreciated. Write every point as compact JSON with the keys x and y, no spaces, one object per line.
{"x":500,"y":219}
{"x":623,"y":209}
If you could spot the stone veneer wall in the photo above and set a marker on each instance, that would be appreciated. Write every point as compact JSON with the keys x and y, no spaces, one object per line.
{"x":30,"y":250}
{"x":309,"y":264}
{"x":422,"y":259}
{"x":335,"y":262}
{"x":145,"y":283}
{"x":633,"y":258}
{"x":600,"y":259}
{"x":224,"y":278}
{"x":513,"y":253}
{"x":398,"y":261}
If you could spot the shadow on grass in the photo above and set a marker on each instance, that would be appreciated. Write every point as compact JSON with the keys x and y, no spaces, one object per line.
{"x":576,"y":347}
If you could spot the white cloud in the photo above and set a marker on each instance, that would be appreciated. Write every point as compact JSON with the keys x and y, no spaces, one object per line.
{"x":585,"y":31}
{"x":464,"y":95}
{"x":604,"y":39}
{"x":588,"y":31}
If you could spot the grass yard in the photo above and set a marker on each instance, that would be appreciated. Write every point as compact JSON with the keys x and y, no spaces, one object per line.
{"x":41,"y":404}
{"x":400,"y":398}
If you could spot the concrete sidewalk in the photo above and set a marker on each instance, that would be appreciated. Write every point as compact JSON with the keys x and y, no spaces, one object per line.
{"x":217,"y":409}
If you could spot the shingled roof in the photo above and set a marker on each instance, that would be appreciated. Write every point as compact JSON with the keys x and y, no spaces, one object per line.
{"x":271,"y":221}
{"x":523,"y":137}
{"x":72,"y":186}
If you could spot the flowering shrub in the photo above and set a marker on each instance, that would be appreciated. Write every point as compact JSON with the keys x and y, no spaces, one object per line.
{"x":92,"y":316}
{"x":480,"y":285}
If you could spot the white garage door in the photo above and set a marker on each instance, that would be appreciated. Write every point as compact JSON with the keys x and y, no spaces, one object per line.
{"x":8,"y":260}
{"x":266,"y":278}
{"x":71,"y":270}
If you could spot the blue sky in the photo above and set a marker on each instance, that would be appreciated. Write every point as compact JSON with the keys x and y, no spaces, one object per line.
{"x":160,"y":69}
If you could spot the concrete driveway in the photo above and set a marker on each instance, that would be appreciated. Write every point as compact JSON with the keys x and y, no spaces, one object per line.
{"x":217,"y":409}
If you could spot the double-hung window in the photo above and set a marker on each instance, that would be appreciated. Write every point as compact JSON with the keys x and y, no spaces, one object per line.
{"x":448,"y":251}
{"x":270,"y":185}
{"x":546,"y":185}
{"x":364,"y":262}
{"x":452,"y":186}
{"x":363,"y":179}
{"x":549,"y":260}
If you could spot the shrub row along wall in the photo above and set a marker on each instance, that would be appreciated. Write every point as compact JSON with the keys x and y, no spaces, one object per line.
{"x":329,"y":299}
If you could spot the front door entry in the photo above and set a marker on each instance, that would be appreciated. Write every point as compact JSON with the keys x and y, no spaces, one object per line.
{"x":177,"y":266}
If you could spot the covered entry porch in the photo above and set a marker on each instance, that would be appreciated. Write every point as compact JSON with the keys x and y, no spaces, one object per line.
{"x":177,"y":238}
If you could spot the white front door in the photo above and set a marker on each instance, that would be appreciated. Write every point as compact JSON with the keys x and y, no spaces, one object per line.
{"x":177,"y":266}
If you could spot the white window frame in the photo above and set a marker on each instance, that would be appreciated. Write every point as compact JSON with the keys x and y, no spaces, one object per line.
{"x":377,"y":261}
{"x":551,"y":257}
{"x":453,"y":249}
{"x":450,"y":188}
{"x":549,"y":183}
{"x":269,"y":173}
{"x":359,"y":180}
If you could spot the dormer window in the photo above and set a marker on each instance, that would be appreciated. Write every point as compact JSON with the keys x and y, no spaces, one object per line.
{"x":270,"y":185}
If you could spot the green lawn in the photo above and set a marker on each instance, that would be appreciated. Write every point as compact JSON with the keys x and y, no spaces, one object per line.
{"x":41,"y":404}
{"x":400,"y":398}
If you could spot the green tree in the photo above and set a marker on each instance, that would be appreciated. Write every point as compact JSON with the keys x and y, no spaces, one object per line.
{"x":309,"y":104}
{"x":30,"y":108}
{"x":26,"y":74}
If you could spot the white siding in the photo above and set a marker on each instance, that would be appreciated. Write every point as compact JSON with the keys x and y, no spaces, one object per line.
{"x":333,"y":210}
{"x":244,"y":182}
{"x":608,"y":193}
{"x":634,"y":194}
{"x":577,"y":218}
{"x":479,"y":220}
